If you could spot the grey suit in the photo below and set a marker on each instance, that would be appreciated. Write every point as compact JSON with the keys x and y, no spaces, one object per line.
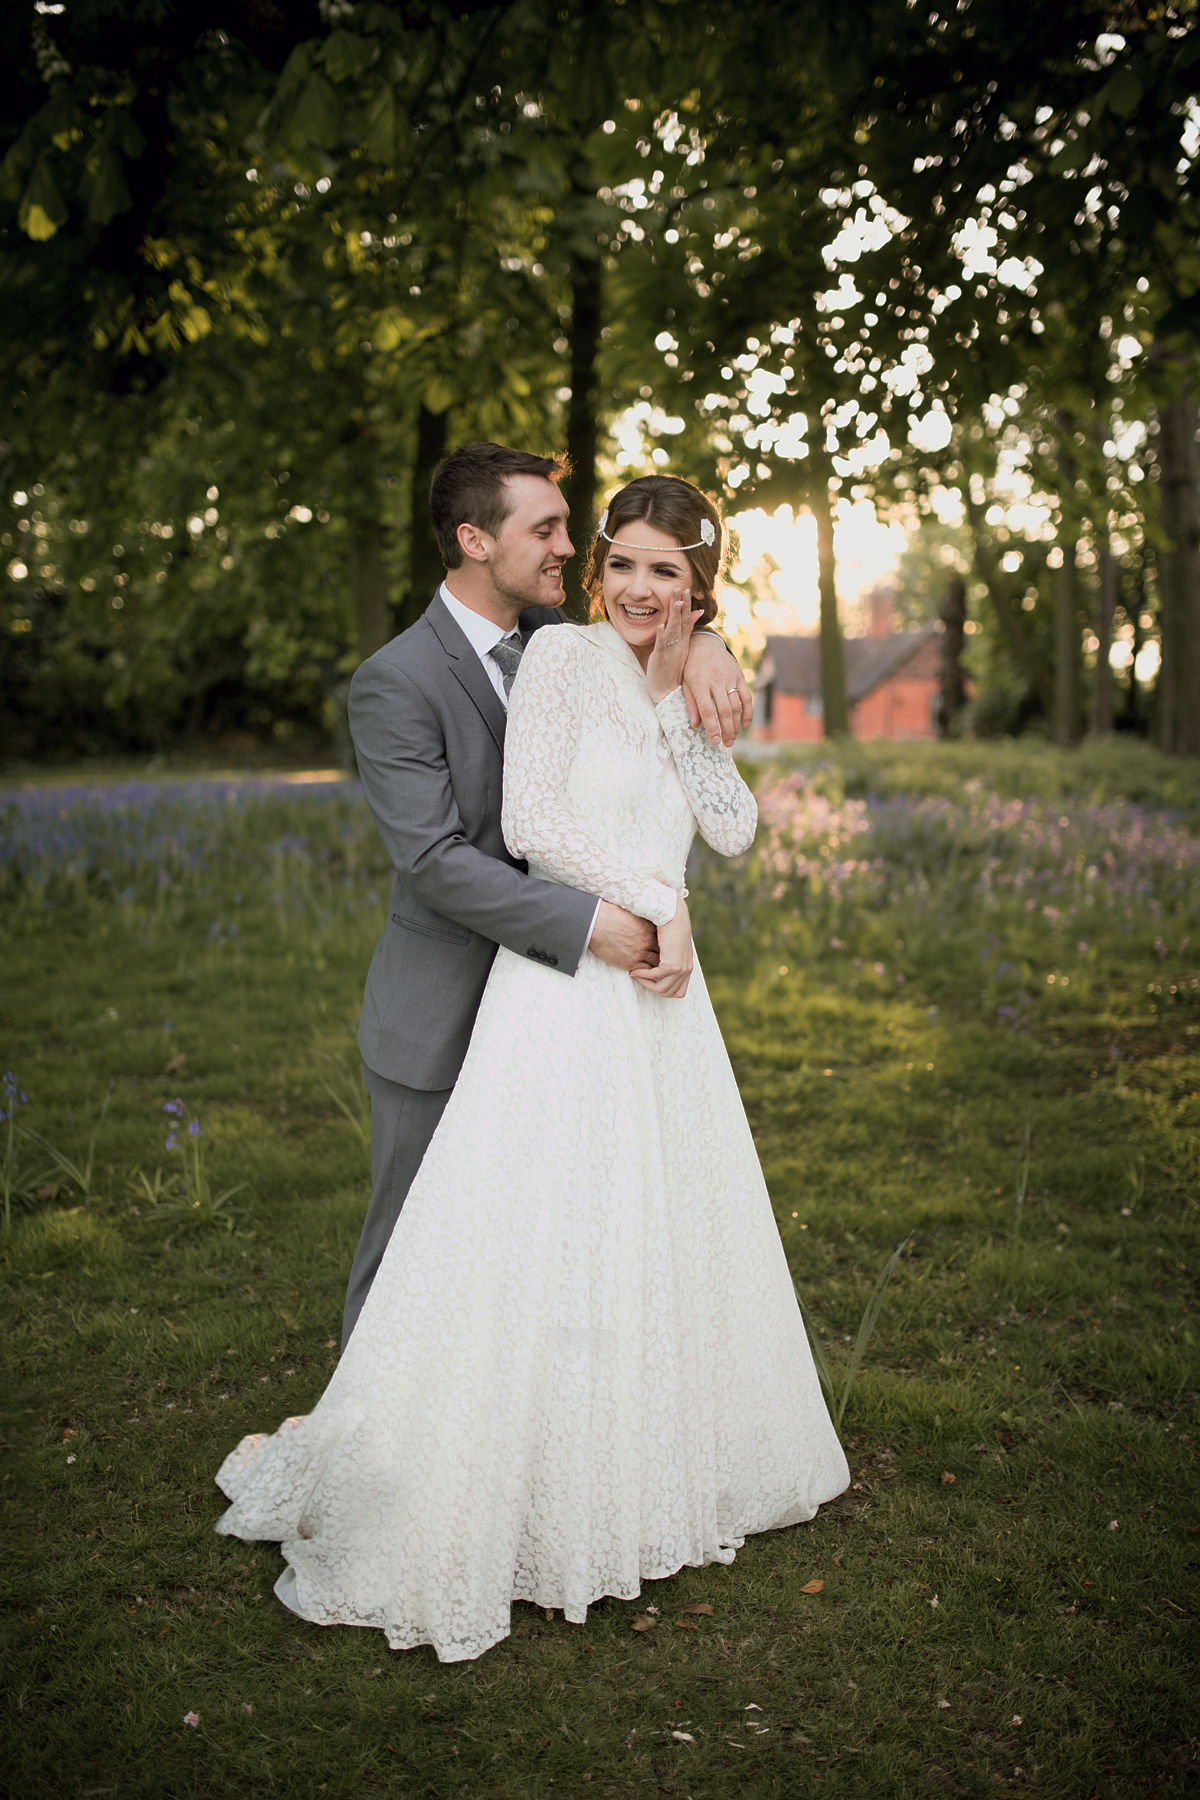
{"x":428,"y":731}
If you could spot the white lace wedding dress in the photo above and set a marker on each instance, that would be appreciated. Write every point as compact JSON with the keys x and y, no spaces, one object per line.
{"x":582,"y":1365}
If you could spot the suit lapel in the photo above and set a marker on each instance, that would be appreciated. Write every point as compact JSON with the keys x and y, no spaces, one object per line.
{"x":467,"y":669}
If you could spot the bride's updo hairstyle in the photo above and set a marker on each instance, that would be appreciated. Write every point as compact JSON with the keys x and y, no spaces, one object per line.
{"x":682,"y":512}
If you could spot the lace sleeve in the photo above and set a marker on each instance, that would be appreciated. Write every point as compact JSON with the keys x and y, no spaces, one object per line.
{"x":540,"y":741}
{"x":724,"y":806}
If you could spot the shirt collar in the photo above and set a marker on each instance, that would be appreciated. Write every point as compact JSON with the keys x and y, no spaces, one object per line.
{"x":479,"y":632}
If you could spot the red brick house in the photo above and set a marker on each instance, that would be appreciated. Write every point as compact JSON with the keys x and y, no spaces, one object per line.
{"x":893,"y":682}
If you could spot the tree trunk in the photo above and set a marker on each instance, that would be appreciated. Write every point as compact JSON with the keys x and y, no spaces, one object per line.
{"x":1179,"y":577}
{"x":1131,"y":709}
{"x":1019,"y":641}
{"x":579,"y":488}
{"x":1106,"y":602}
{"x":426,"y":565}
{"x":368,"y":587}
{"x":1066,"y":647}
{"x":833,"y":661}
{"x":953,"y":689}
{"x":1068,"y":643}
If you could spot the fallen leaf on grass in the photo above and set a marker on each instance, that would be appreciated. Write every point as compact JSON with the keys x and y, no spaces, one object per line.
{"x":289,"y":1319}
{"x":175,"y":1063}
{"x":642,"y":1623}
{"x":753,"y":1707}
{"x":686,"y":1625}
{"x":837,"y":1562}
{"x":812,"y":1587}
{"x":943,"y":1706}
{"x":701,"y":1606}
{"x":947,"y":1477}
{"x":683,"y":1737}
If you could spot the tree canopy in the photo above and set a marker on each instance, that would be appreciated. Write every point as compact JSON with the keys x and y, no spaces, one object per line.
{"x":267,"y":264}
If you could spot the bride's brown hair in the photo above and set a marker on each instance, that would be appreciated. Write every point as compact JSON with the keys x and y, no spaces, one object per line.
{"x":677,"y":508}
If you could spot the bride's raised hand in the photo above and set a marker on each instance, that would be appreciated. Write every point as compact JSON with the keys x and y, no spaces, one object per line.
{"x":664,"y":671}
{"x":669,"y":980}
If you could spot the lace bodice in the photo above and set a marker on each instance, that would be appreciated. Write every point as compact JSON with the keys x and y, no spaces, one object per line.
{"x":603,"y":790}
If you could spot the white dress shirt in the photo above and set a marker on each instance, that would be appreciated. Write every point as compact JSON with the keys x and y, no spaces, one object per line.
{"x":481,"y":634}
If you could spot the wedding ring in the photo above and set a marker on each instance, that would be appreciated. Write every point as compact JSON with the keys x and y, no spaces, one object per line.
{"x":732,"y":690}
{"x":671,"y":641}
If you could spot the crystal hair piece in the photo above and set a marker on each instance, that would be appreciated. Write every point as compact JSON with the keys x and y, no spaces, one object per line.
{"x":705,"y":540}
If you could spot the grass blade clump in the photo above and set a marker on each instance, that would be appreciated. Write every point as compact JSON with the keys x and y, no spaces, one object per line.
{"x":1022,"y":1185}
{"x":838,"y":1401}
{"x":78,"y":1169}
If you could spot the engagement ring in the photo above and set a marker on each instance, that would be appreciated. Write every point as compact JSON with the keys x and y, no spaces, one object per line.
{"x":671,"y":641}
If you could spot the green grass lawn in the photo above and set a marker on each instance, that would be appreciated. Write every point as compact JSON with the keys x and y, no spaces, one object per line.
{"x":1008,"y":1591}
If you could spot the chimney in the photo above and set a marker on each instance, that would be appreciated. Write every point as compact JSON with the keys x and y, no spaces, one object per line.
{"x":882,"y":602}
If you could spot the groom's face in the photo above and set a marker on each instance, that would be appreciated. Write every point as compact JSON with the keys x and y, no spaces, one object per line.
{"x":530,"y":548}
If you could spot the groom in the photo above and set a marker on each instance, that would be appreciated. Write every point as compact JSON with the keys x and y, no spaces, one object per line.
{"x":427,"y":715}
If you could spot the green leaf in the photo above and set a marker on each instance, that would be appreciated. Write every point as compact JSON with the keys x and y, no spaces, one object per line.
{"x":122,"y":133}
{"x":103,"y":188}
{"x":438,"y":395}
{"x":43,"y":209}
{"x":385,"y":127}
{"x":317,"y":118}
{"x":346,"y":54}
{"x":391,"y":327}
{"x":1123,"y":93}
{"x":18,"y":164}
{"x":61,"y":121}
{"x":296,"y":71}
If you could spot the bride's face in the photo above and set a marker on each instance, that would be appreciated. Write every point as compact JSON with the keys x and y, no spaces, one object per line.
{"x":639,"y":585}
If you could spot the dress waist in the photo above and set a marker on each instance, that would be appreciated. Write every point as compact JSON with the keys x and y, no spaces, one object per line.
{"x":672,"y":878}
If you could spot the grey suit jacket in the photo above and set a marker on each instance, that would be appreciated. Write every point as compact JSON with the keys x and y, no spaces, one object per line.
{"x":428,"y":731}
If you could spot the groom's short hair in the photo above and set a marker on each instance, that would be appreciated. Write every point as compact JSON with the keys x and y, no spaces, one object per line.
{"x":469,"y":488}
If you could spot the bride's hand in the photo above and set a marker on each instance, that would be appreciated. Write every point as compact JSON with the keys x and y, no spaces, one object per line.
{"x":664,"y":671}
{"x":675,"y":958}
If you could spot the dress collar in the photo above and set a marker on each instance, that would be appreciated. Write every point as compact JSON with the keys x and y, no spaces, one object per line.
{"x":607,"y":638}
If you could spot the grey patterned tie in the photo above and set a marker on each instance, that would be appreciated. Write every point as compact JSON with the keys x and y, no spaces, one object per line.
{"x":508,"y":653}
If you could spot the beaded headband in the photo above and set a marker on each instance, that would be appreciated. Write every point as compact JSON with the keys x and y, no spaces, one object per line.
{"x":706,"y":539}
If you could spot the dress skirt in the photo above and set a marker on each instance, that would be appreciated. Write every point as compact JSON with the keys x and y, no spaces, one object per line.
{"x":582,"y":1364}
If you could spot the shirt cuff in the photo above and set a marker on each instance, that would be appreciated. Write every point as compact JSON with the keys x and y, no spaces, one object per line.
{"x":587,"y":940}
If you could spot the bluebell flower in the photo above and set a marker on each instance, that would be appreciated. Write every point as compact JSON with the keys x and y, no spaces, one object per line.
{"x":194,"y":1130}
{"x":174,"y":1106}
{"x":172,"y":1142}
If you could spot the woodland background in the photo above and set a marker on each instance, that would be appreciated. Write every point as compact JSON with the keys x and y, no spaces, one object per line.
{"x":260,"y":266}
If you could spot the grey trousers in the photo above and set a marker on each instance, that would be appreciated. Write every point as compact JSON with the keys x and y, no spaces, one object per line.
{"x":403,"y":1120}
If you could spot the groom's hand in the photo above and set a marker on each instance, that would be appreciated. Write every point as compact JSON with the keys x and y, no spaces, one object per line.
{"x":622,"y":939}
{"x":715,"y":689}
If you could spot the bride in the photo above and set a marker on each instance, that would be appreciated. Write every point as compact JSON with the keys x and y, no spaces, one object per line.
{"x":582,"y":1365}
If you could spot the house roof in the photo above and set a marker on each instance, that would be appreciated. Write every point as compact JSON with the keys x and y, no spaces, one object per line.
{"x":793,"y":664}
